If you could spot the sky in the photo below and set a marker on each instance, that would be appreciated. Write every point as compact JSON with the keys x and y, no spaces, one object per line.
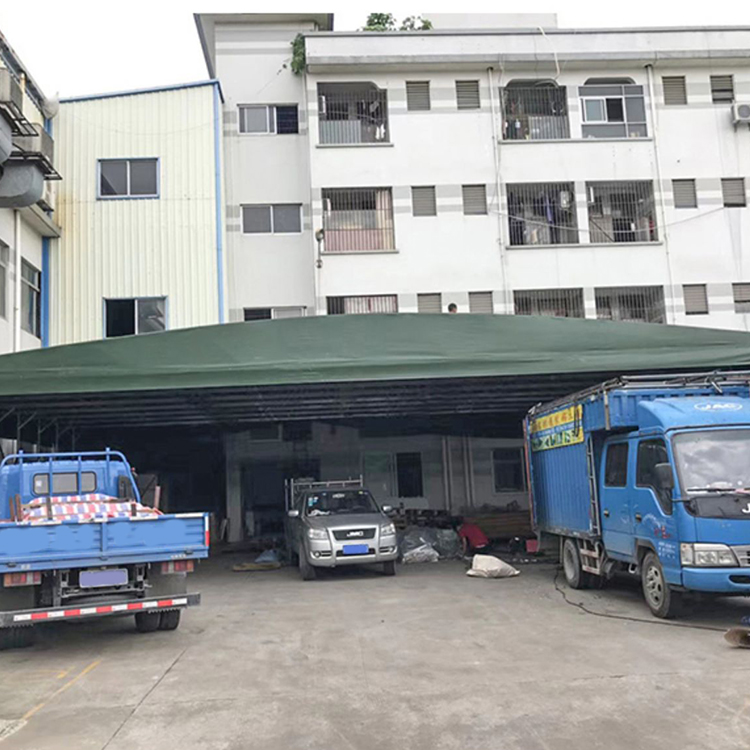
{"x":77,"y":47}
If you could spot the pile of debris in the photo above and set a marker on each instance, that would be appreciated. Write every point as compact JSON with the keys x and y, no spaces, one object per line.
{"x":420,"y":544}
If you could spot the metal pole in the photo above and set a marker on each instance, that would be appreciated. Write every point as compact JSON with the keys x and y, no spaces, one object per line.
{"x":17,"y":282}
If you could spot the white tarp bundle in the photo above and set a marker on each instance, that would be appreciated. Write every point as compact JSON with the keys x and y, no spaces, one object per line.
{"x":487,"y":566}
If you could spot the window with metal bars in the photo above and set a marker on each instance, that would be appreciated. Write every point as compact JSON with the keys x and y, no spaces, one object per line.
{"x":358,"y":219}
{"x":474,"y":199}
{"x":684,"y":194}
{"x":644,"y":304}
{"x":553,"y":303}
{"x":613,"y":108}
{"x":31,"y":299}
{"x":429,"y":303}
{"x":696,"y":299}
{"x":733,"y":192}
{"x":251,"y":314}
{"x":534,"y":110}
{"x":352,"y":113}
{"x":542,"y":213}
{"x":741,"y":294}
{"x":480,"y":303}
{"x":418,"y":96}
{"x":361,"y":305}
{"x":621,"y":212}
{"x":268,"y":119}
{"x":675,"y":90}
{"x":467,"y":95}
{"x":722,"y":89}
{"x":423,"y":201}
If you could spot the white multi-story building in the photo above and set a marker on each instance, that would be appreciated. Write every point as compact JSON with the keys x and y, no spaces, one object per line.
{"x":516,"y":168}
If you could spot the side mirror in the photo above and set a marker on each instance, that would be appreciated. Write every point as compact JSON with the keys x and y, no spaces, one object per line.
{"x":293,"y":513}
{"x":387,"y":508}
{"x":664,"y":476}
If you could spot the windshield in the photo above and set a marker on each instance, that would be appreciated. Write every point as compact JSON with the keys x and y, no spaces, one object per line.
{"x":336,"y":503}
{"x":713,"y":461}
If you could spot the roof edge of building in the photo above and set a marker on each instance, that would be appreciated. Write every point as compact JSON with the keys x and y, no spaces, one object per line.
{"x":149,"y":90}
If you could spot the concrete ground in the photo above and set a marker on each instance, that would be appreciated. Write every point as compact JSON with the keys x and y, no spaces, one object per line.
{"x":429,"y":660}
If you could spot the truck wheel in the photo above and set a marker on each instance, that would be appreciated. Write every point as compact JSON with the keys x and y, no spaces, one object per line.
{"x":306,"y":570}
{"x":169,"y":620}
{"x":661,"y":600}
{"x":17,"y":638}
{"x":575,"y":576}
{"x":389,"y":568}
{"x":147,"y":622}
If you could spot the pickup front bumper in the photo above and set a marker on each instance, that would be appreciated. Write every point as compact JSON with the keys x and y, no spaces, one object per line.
{"x":331,"y":554}
{"x":105,"y":609}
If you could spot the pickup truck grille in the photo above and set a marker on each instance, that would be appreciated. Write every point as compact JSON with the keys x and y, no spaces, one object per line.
{"x":743,"y":554}
{"x":342,"y":535}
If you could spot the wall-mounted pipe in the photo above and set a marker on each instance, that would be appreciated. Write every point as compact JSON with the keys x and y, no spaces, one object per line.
{"x":17,"y":281}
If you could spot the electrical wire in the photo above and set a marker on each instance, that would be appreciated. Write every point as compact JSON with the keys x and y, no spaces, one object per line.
{"x":628,"y":618}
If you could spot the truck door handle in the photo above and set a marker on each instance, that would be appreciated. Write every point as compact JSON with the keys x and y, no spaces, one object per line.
{"x":638,"y":517}
{"x":606,"y":513}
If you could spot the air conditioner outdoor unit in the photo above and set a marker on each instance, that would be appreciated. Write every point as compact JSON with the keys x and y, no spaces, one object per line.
{"x":741,"y":113}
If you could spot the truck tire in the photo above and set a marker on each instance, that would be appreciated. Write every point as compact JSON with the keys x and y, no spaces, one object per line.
{"x":661,"y":600}
{"x":389,"y":568}
{"x":575,"y":576}
{"x":17,"y":637}
{"x":147,"y":622}
{"x":306,"y":570}
{"x":170,"y":620}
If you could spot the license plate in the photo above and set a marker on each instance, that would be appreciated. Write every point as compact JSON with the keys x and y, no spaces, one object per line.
{"x":91,"y":579}
{"x":356,"y":549}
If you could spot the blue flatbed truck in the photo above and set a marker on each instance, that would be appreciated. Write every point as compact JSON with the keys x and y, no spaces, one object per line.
{"x":100,"y":566}
{"x":648,"y":474}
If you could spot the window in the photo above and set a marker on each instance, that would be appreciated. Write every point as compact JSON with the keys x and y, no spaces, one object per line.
{"x":423,"y":201}
{"x":722,"y":89}
{"x":534,"y":110}
{"x":381,"y":303}
{"x":696,"y":299}
{"x":128,"y":178}
{"x":474,"y":200}
{"x":631,"y":303}
{"x":467,"y":95}
{"x":733,"y":192}
{"x":684,"y":194}
{"x":65,"y":483}
{"x":651,"y":453}
{"x":480,"y":303}
{"x":429,"y":303}
{"x":612,"y":108}
{"x":251,"y":314}
{"x":409,"y":474}
{"x":621,"y":212}
{"x":259,"y":119}
{"x":507,"y":470}
{"x":616,"y":465}
{"x":554,"y":303}
{"x":418,"y":96}
{"x":127,"y":317}
{"x":741,"y":294}
{"x":542,"y":213}
{"x":675,"y":92}
{"x":4,"y":261}
{"x":352,"y":113}
{"x":279,"y":218}
{"x":358,"y":219}
{"x":31,"y":299}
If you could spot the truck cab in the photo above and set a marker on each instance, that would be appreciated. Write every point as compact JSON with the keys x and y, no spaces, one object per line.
{"x":649,"y":475}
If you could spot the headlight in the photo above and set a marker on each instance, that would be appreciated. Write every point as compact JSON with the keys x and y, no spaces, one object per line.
{"x":707,"y":555}
{"x":320,"y":534}
{"x":387,"y":529}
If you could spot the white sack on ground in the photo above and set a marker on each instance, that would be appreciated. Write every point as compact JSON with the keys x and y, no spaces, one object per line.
{"x":487,"y":566}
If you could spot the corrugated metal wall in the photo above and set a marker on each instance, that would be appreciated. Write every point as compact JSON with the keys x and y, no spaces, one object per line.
{"x":163,"y":246}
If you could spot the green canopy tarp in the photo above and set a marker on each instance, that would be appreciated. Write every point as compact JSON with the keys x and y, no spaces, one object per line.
{"x":355,"y":348}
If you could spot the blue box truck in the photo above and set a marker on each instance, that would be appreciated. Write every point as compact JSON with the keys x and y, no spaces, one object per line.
{"x":649,"y":474}
{"x":76,"y":542}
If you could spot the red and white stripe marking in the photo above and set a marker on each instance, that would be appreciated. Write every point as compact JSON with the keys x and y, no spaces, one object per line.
{"x":106,"y":609}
